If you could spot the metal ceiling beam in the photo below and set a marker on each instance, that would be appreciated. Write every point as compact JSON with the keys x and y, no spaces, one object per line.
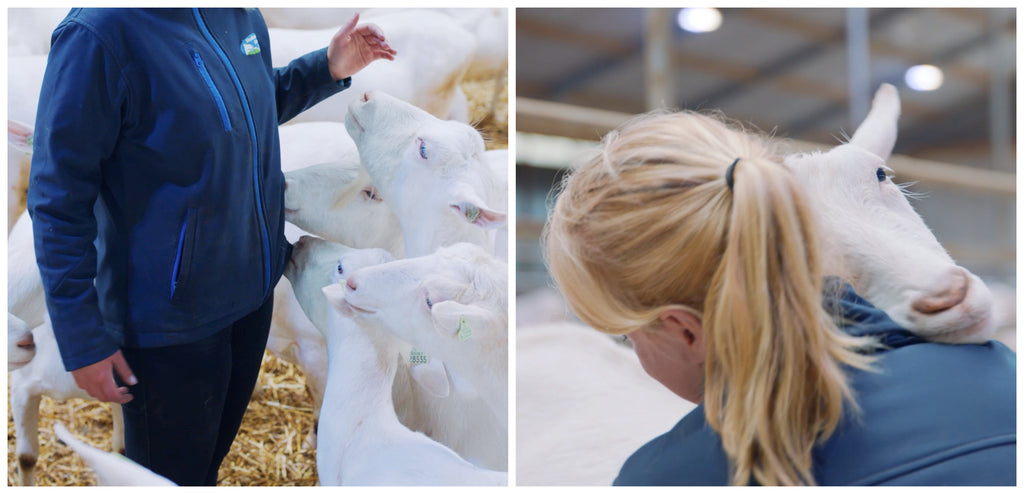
{"x":858,"y":56}
{"x":594,"y":70}
{"x":978,"y":16}
{"x":613,"y":52}
{"x":1000,"y":118}
{"x":970,"y":124}
{"x":619,"y":51}
{"x":820,"y":33}
{"x":779,"y":66}
{"x":659,"y":83}
{"x":895,"y":78}
{"x":565,"y":34}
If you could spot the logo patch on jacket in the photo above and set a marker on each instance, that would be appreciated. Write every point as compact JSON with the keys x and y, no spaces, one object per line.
{"x":250,"y":45}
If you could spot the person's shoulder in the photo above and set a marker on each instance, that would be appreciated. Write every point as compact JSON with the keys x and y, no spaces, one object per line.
{"x":689,"y":454}
{"x":944,"y":402}
{"x":96,"y":19}
{"x":92,"y":25}
{"x":952,"y":382}
{"x":953,"y":365}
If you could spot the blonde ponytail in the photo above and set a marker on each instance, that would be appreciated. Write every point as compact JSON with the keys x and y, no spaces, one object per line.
{"x":649,"y":224}
{"x":773,"y":355}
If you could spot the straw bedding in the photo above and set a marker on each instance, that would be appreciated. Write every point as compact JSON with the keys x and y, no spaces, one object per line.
{"x":269,"y":447}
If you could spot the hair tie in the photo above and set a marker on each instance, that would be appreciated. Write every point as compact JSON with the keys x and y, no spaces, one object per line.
{"x":728,"y":173}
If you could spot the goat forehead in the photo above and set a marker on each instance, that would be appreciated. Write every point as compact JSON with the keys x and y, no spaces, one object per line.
{"x":843,"y":159}
{"x":456,"y":139}
{"x":364,"y":258}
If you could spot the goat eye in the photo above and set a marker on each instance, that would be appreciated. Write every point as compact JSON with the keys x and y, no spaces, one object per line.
{"x":430,"y":305}
{"x":371,"y":194}
{"x":423,"y":149}
{"x":340,"y":271}
{"x":880,"y":173}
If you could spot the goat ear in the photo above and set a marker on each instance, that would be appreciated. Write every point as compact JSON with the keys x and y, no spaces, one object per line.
{"x":877,"y":133}
{"x":460,"y":321}
{"x":19,"y":135}
{"x":474,"y":210}
{"x":433,"y":377}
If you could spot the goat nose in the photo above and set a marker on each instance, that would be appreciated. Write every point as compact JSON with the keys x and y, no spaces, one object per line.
{"x":949,"y":295}
{"x":366,"y":96}
{"x":351,"y":283}
{"x":26,"y":342}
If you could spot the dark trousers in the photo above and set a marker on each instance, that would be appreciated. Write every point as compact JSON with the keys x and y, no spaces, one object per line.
{"x":190,"y":399}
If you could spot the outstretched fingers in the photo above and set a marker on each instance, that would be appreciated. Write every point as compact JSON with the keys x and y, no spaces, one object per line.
{"x":374,"y":37}
{"x":349,"y":26}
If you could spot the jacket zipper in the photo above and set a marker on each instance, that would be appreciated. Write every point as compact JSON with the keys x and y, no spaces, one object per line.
{"x":176,"y":272}
{"x":252,"y":136}
{"x":213,"y":89}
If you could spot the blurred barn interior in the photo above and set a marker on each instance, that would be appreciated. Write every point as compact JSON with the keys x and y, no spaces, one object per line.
{"x":802,"y":74}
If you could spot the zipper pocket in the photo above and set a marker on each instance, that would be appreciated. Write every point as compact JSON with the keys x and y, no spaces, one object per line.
{"x":221,"y":107}
{"x":183,"y":255}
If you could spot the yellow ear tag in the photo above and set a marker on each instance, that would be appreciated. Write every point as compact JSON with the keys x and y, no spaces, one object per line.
{"x":464,"y":330}
{"x":417,"y":357}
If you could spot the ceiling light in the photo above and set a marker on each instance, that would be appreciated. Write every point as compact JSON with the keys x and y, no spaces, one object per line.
{"x":924,"y":77}
{"x":699,"y":20}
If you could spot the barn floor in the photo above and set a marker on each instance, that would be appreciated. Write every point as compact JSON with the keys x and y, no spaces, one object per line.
{"x":267,"y":451}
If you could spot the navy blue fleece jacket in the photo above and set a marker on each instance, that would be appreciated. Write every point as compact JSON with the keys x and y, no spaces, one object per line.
{"x":932,"y":414}
{"x":156,"y":189}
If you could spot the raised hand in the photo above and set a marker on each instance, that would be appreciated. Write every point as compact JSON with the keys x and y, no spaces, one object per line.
{"x":353,"y":47}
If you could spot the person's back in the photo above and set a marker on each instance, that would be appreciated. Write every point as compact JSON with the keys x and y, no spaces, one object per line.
{"x":931,"y":414}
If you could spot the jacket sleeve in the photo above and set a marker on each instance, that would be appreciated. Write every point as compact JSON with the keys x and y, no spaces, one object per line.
{"x":303,"y":83}
{"x":77,"y":127}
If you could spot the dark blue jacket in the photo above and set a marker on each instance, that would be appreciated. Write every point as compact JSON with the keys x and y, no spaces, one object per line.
{"x":934,"y":414}
{"x":156,"y":190}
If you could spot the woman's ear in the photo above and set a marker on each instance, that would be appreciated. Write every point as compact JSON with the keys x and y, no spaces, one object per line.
{"x":686,"y":326}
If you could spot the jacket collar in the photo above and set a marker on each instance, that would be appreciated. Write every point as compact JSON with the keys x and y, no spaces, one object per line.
{"x":857,"y":317}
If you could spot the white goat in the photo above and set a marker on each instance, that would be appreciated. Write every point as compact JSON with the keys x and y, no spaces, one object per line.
{"x":361,"y":441}
{"x":878,"y":243}
{"x":21,"y":347}
{"x":337,"y":201}
{"x":334,"y":200}
{"x":435,"y":176}
{"x":457,"y":417}
{"x":111,"y":468}
{"x":359,"y":219}
{"x":433,"y":56}
{"x":451,"y":304}
{"x":430,"y":172}
{"x":875,"y":241}
{"x":44,"y":375}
